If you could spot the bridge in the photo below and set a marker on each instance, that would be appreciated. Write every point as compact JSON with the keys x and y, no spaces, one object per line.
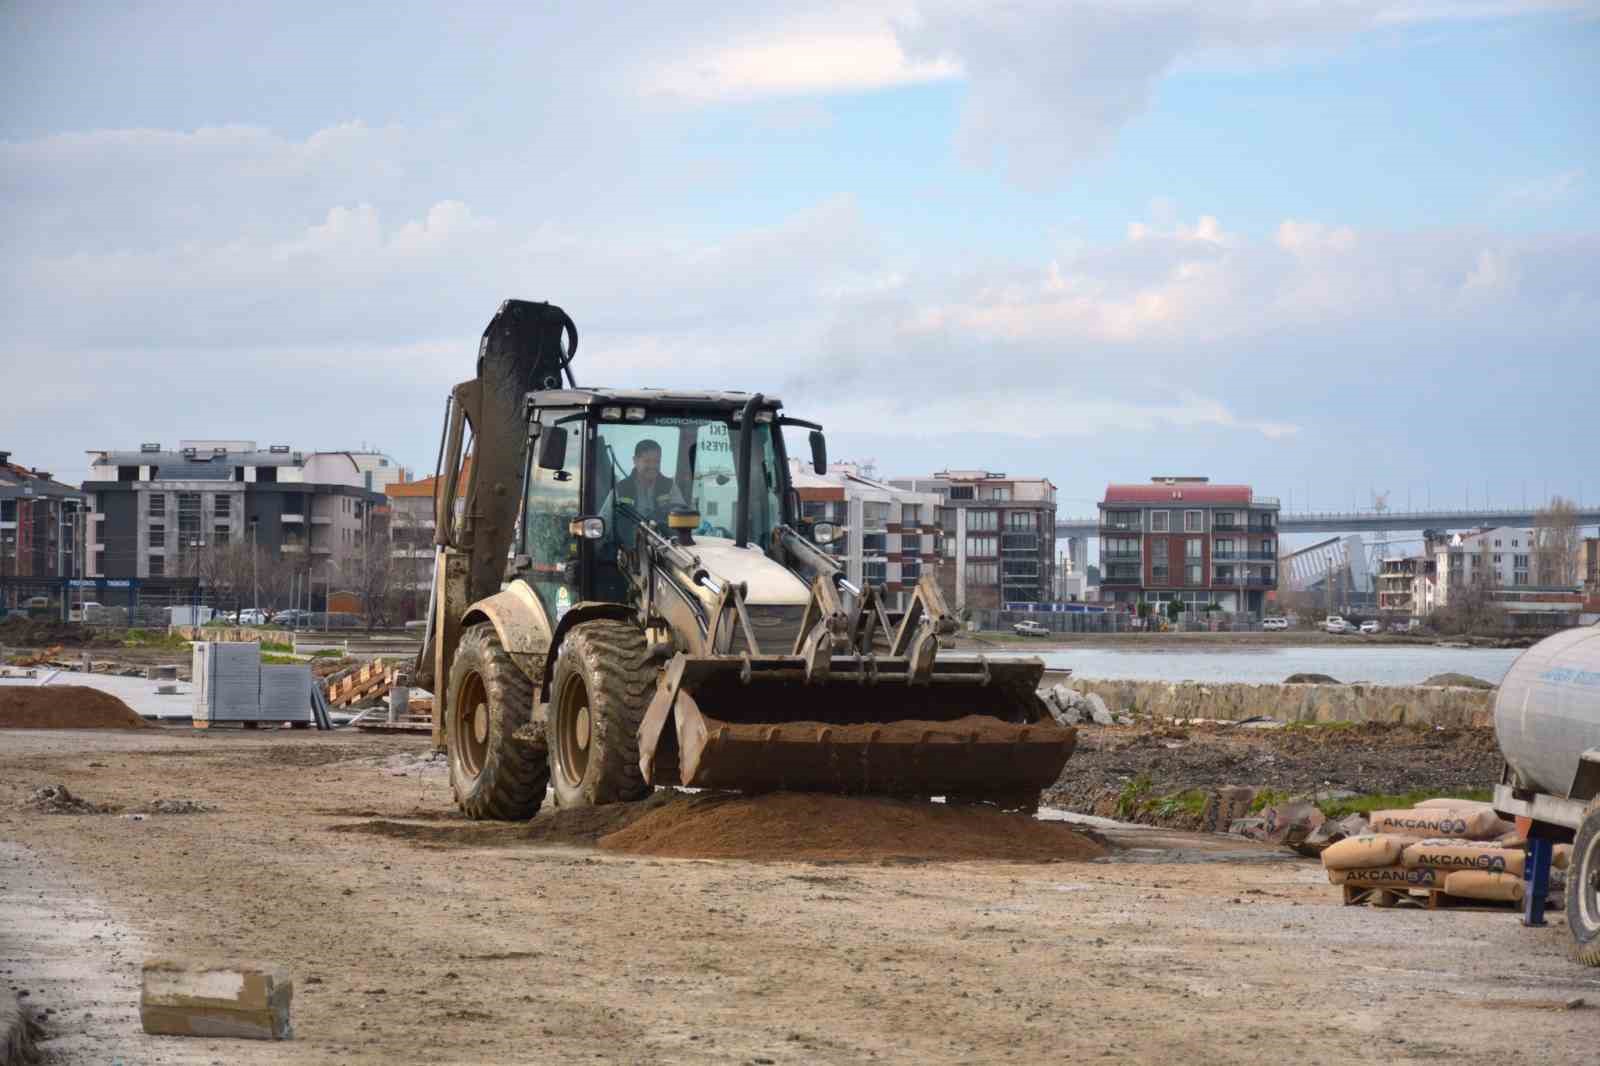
{"x":1370,"y":521}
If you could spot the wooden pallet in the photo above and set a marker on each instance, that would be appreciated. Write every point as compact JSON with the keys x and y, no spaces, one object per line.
{"x":1432,"y":899}
{"x":370,"y":680}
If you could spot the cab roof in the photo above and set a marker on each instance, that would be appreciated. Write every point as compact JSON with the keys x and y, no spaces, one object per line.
{"x":597,"y":396}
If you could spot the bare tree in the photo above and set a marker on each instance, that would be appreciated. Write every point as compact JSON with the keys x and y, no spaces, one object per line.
{"x":1470,"y":604}
{"x":1557,"y":540}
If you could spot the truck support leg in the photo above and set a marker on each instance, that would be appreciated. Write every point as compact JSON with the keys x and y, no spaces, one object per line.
{"x":1536,"y":872}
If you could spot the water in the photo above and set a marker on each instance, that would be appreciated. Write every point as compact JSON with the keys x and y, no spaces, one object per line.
{"x":1399,"y":665}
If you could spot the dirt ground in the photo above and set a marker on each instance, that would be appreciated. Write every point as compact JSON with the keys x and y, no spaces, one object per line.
{"x":1326,"y":760}
{"x":443,"y":941}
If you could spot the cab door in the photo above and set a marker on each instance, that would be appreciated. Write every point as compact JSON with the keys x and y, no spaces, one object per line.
{"x":554,"y":498}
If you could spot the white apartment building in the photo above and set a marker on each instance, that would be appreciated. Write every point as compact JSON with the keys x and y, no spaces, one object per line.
{"x":1502,"y":557}
{"x":890,"y":536}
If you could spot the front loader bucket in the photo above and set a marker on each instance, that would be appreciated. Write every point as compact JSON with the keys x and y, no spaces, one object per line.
{"x":972,"y":728}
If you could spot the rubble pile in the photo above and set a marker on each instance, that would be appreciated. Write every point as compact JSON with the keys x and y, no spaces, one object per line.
{"x":1068,"y":706}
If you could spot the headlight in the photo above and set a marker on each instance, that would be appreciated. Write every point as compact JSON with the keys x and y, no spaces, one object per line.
{"x":587,"y":528}
{"x":610,"y":414}
{"x":635,"y":414}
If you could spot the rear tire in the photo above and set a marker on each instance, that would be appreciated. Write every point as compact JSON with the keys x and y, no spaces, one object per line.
{"x":599,"y":691}
{"x":493,"y":774}
{"x":1583,"y":888}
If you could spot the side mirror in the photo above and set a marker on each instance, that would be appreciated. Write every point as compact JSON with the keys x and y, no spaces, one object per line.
{"x":819,"y":452}
{"x":553,"y":448}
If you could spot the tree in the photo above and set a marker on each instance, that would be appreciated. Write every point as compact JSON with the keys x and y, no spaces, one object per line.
{"x":1174,"y":610}
{"x":1470,"y":606}
{"x":1557,"y":541}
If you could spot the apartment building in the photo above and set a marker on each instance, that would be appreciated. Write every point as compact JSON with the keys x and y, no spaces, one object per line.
{"x":1185,"y":539}
{"x":890,"y":536}
{"x":40,"y":535}
{"x":1399,"y":589}
{"x":998,"y":536}
{"x":1500,"y":556}
{"x":154,"y":513}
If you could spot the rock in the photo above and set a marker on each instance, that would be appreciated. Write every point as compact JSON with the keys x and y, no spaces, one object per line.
{"x":1225,"y":806}
{"x":1098,"y":710}
{"x":1453,"y":680}
{"x":1311,"y":679}
{"x":1291,"y":823}
{"x":188,"y":998}
{"x":1124,"y":719}
{"x":1247,"y":827}
{"x":1066,"y":705}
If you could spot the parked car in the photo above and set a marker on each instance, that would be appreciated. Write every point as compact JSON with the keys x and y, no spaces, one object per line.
{"x":1400,"y":627}
{"x":1372,"y":625}
{"x":252,"y":617}
{"x":1029,"y":629}
{"x":1274,"y":623}
{"x":1334,"y":624}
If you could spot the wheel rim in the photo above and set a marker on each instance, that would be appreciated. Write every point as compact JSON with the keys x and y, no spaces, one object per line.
{"x":472,"y":725}
{"x":574,"y":728}
{"x":1587,"y":866}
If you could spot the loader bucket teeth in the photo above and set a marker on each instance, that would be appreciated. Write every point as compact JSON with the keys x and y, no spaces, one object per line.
{"x":971,"y":727}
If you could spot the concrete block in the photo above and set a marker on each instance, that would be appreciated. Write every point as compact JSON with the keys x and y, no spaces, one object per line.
{"x":215,"y":999}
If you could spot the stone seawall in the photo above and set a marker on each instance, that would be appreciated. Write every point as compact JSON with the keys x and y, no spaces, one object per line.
{"x":1412,"y":704}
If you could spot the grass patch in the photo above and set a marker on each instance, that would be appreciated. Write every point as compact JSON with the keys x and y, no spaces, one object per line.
{"x":1192,"y":802}
{"x":146,"y":638}
{"x":1135,"y":794}
{"x":327,"y":653}
{"x":268,"y":645}
{"x":1399,"y":800}
{"x":1327,"y":727}
{"x":279,"y":660}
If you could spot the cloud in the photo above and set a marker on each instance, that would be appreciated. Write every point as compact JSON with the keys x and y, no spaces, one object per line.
{"x":1051,"y":82}
{"x":1542,"y":192}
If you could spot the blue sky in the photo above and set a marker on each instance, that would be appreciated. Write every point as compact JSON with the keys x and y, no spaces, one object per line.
{"x":1324,"y":248}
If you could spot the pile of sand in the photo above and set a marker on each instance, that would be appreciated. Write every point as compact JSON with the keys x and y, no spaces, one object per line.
{"x":64,"y":707}
{"x":813,"y":827}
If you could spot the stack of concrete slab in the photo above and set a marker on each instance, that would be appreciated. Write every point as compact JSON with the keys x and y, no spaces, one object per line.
{"x":231,"y":685}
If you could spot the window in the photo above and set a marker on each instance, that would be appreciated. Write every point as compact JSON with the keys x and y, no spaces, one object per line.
{"x":960,"y":492}
{"x":1194,"y":521}
{"x":875,"y":542}
{"x":1224,"y":520}
{"x":1160,"y":521}
{"x":1224,"y":548}
{"x":1191,"y":574}
{"x":1497,"y":557}
{"x":1120,"y":547}
{"x":158,"y":566}
{"x":223,"y":505}
{"x":1191,"y":548}
{"x":982,"y":521}
{"x":1000,"y":492}
{"x":1159,"y":574}
{"x":220,"y":534}
{"x":156,"y":537}
{"x":158,"y":504}
{"x":1520,"y":577}
{"x":874,"y":572}
{"x":983,"y":546}
{"x":983,"y":573}
{"x":910,"y":514}
{"x":910,"y":569}
{"x":911,"y":543}
{"x":947,"y":547}
{"x":947,"y":519}
{"x":1021,"y":521}
{"x":1514,"y":543}
{"x":1520,"y":562}
{"x":1269,"y":548}
{"x":874,"y":514}
{"x":1120,"y":520}
{"x":1497,"y":542}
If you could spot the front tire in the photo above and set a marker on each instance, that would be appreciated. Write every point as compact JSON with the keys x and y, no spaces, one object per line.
{"x":493,"y":774}
{"x":599,"y":692}
{"x":1583,"y":888}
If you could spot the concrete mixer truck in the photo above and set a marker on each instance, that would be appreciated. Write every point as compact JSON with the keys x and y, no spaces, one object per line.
{"x":1547,"y":720}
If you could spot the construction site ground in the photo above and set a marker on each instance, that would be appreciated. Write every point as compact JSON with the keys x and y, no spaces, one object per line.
{"x":415,"y":936}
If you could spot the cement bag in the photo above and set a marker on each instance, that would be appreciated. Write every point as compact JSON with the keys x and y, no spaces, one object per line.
{"x":1445,"y":801}
{"x":1390,"y":877}
{"x":1560,"y":856}
{"x":1467,"y":823}
{"x":1484,"y":884}
{"x":1458,"y":855}
{"x":1368,"y":851}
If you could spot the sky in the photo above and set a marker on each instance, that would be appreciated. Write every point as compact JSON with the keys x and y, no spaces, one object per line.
{"x":1328,"y":249}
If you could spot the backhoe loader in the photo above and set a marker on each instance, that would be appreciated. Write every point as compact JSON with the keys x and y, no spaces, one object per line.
{"x":594,"y":635}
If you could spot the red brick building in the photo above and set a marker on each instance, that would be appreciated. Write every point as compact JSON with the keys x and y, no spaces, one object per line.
{"x":1183,"y":538}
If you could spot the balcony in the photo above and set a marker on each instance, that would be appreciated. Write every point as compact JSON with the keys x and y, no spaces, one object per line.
{"x":292,"y":518}
{"x":322,"y":519}
{"x":1119,"y":557}
{"x":1245,"y":557}
{"x":1019,"y":542}
{"x":1115,"y":577}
